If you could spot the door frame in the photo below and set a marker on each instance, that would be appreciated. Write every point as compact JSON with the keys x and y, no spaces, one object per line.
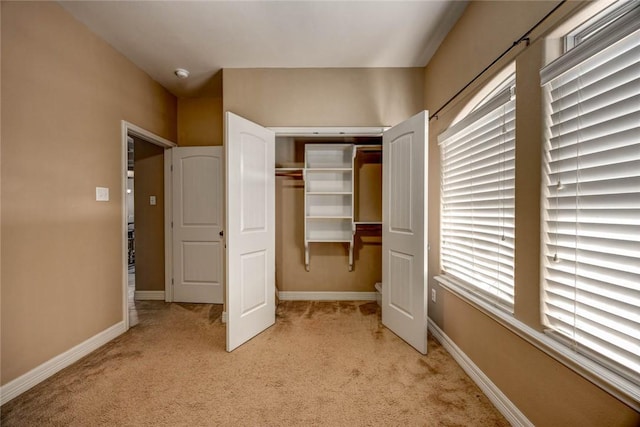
{"x":129,"y":129}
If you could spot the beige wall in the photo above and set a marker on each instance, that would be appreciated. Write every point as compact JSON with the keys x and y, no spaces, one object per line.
{"x":200,"y":121}
{"x":547,"y":392}
{"x":322,"y":97}
{"x":62,"y":255}
{"x":0,"y":191}
{"x":149,"y":219}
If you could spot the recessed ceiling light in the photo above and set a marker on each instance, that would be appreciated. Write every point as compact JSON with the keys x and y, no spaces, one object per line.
{"x":181,"y":73}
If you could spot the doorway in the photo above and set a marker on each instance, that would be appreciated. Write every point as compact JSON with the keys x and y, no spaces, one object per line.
{"x":145,"y":204}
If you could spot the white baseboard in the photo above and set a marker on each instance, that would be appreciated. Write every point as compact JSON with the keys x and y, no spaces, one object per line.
{"x":326,"y":296}
{"x":40,"y":373}
{"x":501,"y":402}
{"x":149,"y":295}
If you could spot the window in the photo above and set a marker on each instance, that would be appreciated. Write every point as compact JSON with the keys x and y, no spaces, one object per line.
{"x":477,"y":198}
{"x":591,"y":207}
{"x":600,"y":21}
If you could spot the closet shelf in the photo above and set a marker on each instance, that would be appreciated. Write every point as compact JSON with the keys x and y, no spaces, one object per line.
{"x":367,"y":227}
{"x":290,"y":172}
{"x":329,"y":193}
{"x":328,"y":216}
{"x":289,"y":165}
{"x":327,"y":169}
{"x":369,"y":147}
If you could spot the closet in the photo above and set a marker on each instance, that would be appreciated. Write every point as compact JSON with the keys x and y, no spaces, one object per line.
{"x":325,"y":158}
{"x":338,"y":203}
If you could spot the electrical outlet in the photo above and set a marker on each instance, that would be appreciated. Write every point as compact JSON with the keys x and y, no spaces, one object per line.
{"x":433,"y":295}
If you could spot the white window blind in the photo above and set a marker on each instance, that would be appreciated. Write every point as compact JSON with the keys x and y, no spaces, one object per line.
{"x":591,"y":209}
{"x":477,"y":199}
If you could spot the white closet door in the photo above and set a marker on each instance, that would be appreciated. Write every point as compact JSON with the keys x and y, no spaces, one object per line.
{"x":250,"y":297}
{"x":404,"y":221}
{"x":197,"y":222}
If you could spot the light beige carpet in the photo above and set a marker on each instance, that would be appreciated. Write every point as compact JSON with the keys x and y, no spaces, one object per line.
{"x":323,"y":363}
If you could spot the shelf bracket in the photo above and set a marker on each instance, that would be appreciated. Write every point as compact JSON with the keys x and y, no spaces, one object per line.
{"x":306,"y":257}
{"x":351,"y":255}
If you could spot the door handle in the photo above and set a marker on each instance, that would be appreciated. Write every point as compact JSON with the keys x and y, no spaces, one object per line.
{"x":221,"y":233}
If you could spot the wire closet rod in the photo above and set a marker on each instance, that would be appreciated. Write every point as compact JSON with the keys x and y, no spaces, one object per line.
{"x":525,"y":37}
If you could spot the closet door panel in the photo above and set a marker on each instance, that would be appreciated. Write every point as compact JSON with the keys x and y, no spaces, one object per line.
{"x":250,"y":219}
{"x":404,"y":225}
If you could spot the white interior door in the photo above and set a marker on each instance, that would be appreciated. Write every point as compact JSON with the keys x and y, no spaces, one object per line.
{"x":197,"y":224}
{"x":404,"y":221}
{"x":250,"y":296}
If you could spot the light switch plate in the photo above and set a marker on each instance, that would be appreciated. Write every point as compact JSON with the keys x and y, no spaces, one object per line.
{"x":102,"y":194}
{"x":152,"y":200}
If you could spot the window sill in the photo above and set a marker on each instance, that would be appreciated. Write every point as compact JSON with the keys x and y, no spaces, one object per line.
{"x":619,"y":387}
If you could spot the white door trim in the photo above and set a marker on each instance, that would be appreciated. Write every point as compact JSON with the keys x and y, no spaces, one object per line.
{"x":131,"y":129}
{"x":168,"y":234}
{"x":329,"y":131}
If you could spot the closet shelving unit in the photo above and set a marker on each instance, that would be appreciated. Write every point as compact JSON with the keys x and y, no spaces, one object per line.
{"x":330,"y":171}
{"x":328,"y":198}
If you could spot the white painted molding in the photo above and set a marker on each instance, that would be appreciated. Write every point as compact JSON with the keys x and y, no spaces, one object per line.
{"x":129,"y":129}
{"x":326,"y":131}
{"x":168,"y":222}
{"x":40,"y":373}
{"x":326,"y":296}
{"x":147,"y":136}
{"x":495,"y":395}
{"x":149,"y":295}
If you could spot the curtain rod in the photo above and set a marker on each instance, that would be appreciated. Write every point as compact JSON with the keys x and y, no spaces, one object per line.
{"x":525,"y":37}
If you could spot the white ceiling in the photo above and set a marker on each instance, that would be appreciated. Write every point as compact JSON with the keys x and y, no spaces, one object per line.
{"x":205,"y":36}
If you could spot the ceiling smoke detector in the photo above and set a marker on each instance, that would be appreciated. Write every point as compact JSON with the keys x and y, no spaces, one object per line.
{"x":181,"y":73}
